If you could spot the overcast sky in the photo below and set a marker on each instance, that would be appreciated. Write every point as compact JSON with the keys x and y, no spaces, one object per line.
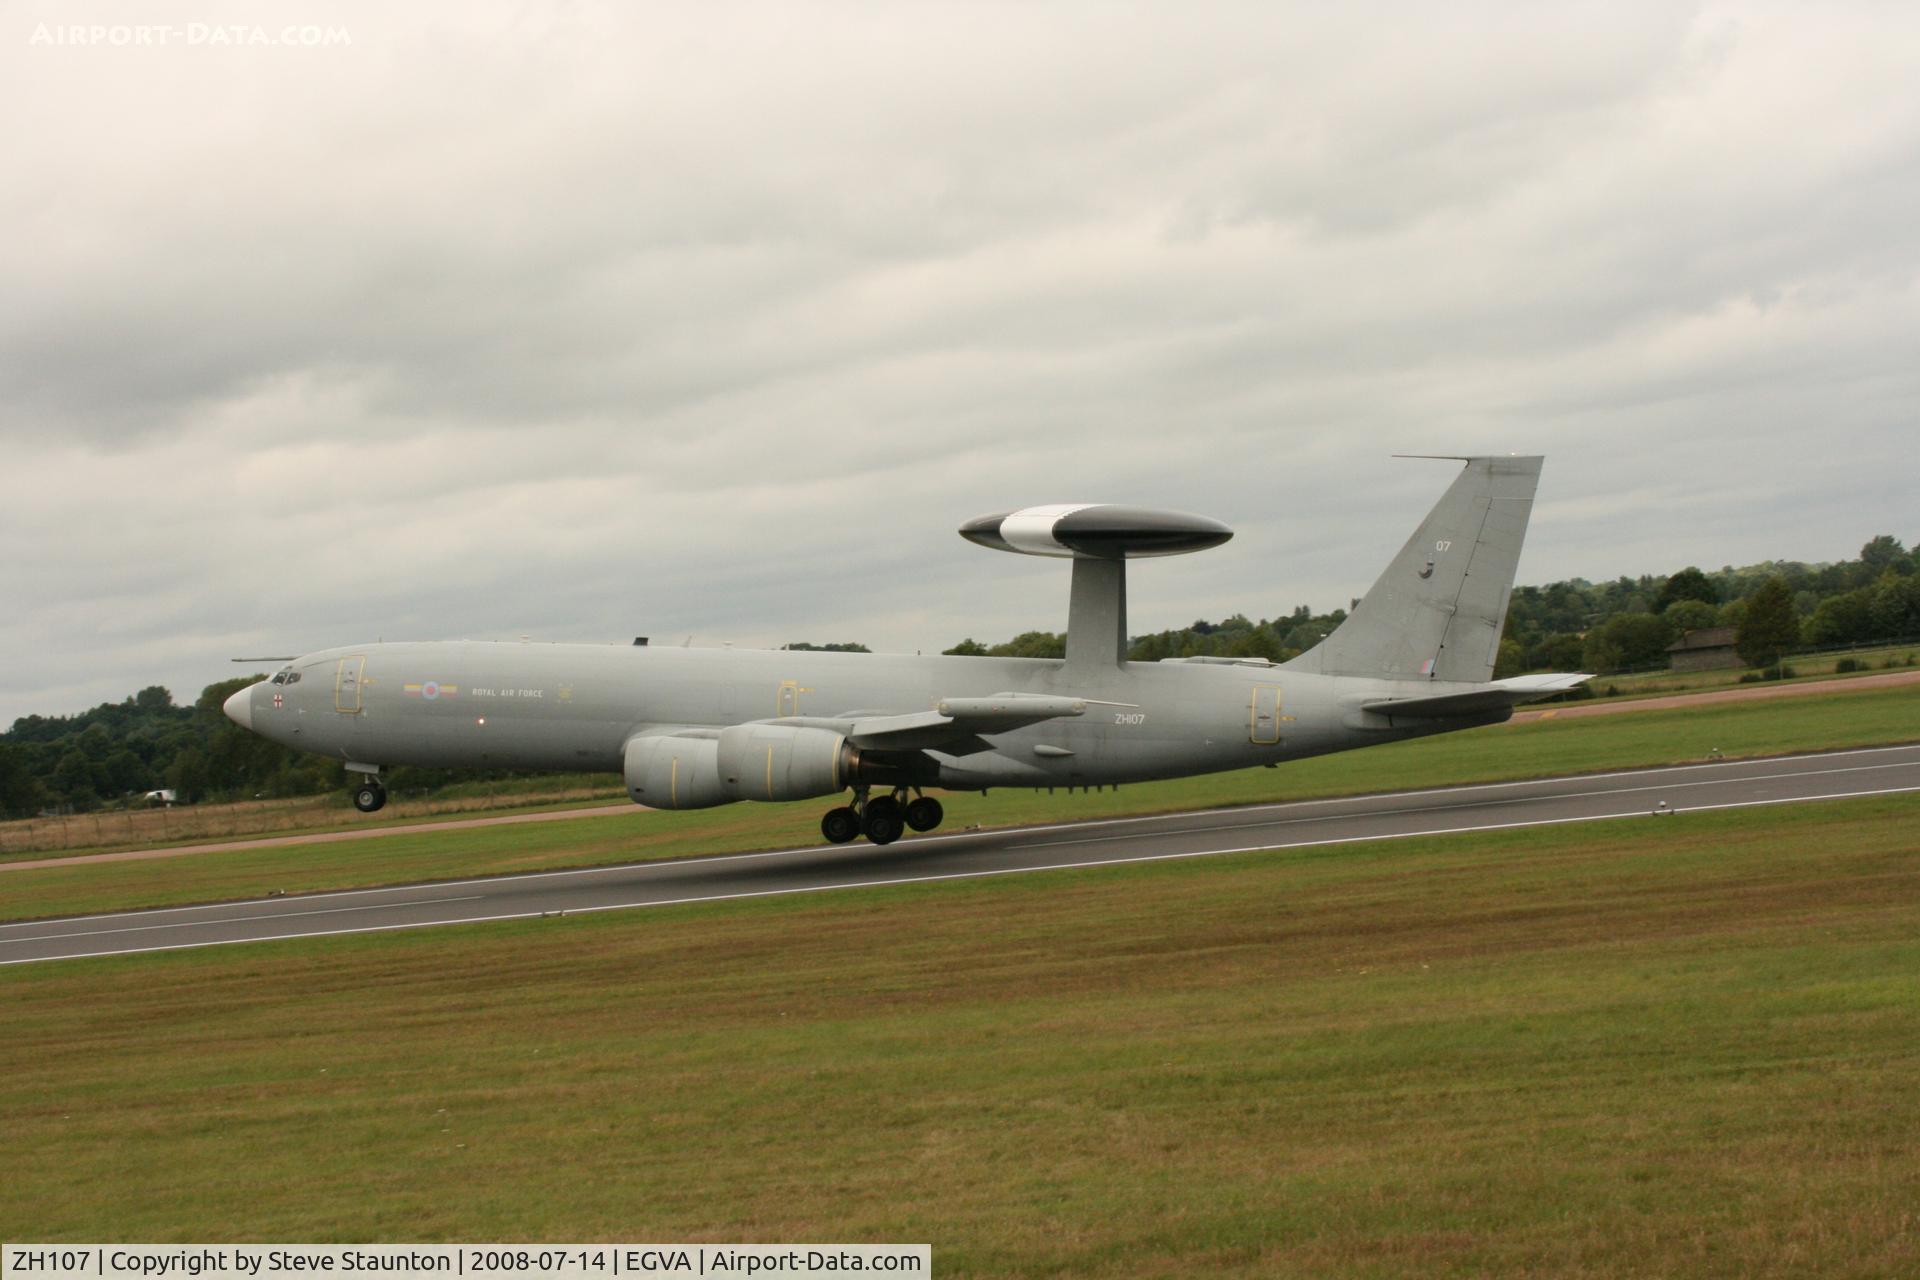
{"x":586,"y":321}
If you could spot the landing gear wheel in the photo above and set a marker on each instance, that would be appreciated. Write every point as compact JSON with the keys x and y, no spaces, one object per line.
{"x":882,"y":822}
{"x":924,"y":814}
{"x":840,"y":825}
{"x":369,"y":796}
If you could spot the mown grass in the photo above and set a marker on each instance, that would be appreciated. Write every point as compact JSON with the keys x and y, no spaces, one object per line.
{"x":1806,"y":666}
{"x":1678,"y":1047}
{"x":161,"y":827}
{"x":1533,"y":749}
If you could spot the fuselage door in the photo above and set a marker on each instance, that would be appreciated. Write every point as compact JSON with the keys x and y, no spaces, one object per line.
{"x":787,"y":701}
{"x":346,"y":685}
{"x":1263,"y":717}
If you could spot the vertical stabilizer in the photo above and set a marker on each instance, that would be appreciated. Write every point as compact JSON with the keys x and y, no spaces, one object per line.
{"x":1437,"y":610}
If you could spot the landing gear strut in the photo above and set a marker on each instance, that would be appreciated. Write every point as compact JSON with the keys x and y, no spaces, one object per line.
{"x":882,"y":819}
{"x":369,"y":796}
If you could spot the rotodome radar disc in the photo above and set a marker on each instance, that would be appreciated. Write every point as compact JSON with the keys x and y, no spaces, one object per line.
{"x":1095,"y":531}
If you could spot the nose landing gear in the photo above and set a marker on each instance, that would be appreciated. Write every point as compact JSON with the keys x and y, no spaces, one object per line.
{"x":882,"y":819}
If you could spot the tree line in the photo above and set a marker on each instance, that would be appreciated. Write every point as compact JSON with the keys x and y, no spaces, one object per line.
{"x":119,"y":750}
{"x":1622,"y":625}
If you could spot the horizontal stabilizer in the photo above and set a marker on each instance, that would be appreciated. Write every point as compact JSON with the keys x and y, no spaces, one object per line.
{"x":1500,"y":695}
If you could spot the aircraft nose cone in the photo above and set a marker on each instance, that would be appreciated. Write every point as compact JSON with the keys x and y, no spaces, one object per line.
{"x":239,"y":708}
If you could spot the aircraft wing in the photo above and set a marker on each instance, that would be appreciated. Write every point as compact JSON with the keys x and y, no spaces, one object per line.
{"x":956,"y":726}
{"x":1500,"y":695}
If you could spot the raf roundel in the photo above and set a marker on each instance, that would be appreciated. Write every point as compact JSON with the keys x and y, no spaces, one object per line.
{"x":1095,"y":531}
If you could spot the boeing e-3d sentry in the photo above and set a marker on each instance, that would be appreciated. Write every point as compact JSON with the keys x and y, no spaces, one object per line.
{"x":691,"y":728}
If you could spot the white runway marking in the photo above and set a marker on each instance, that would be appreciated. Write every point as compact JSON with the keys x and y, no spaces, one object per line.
{"x":278,"y":915}
{"x":1438,"y":808}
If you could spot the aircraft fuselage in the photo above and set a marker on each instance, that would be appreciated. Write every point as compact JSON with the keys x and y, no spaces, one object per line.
{"x":479,"y":704}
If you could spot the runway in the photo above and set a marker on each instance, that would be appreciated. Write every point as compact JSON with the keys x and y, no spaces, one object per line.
{"x":1653,"y":794}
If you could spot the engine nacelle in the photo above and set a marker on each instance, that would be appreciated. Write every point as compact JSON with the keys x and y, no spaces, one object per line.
{"x":745,"y":762}
{"x":783,"y":762}
{"x":675,"y":773}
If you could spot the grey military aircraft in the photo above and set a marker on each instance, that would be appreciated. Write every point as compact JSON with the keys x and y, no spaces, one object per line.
{"x":692,"y":728}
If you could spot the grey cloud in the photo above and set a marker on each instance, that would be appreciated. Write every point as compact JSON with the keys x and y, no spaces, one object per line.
{"x":596,"y":321}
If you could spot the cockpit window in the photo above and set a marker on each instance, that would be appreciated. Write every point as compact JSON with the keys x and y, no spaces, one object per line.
{"x":286,"y":675}
{"x":293,"y":677}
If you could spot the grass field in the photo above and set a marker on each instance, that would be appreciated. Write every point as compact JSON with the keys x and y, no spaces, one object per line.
{"x":158,"y":827}
{"x":1483,"y":755}
{"x":1806,"y":666}
{"x":1685,"y":1047}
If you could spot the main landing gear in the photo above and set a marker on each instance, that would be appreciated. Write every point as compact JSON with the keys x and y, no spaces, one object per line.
{"x":369,"y":795}
{"x":883,"y":819}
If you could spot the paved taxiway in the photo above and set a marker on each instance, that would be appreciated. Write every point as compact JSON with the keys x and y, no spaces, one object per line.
{"x":1643,"y":793}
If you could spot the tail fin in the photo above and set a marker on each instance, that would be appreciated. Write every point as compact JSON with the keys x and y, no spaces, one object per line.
{"x":1436,"y":613}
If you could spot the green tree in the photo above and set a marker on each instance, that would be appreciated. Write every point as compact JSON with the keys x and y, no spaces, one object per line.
{"x":1893,"y":606}
{"x":1769,"y":628}
{"x":1688,"y":584}
{"x":968,"y":648}
{"x":73,"y":780}
{"x":124,"y":773}
{"x":188,"y":775}
{"x":1882,"y":553}
{"x":1512,"y":660}
{"x":1032,"y":644}
{"x":1255,"y":642}
{"x":1689,"y":615}
{"x":1842,"y":619}
{"x":1557,"y":652}
{"x":21,"y":795}
{"x":95,"y":742}
{"x":1628,"y":641}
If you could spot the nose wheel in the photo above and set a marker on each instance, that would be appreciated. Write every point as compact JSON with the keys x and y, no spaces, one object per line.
{"x":882,"y":819}
{"x":369,"y":796}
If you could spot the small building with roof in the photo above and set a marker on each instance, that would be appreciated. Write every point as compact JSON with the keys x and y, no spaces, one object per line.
{"x":1704,"y":649}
